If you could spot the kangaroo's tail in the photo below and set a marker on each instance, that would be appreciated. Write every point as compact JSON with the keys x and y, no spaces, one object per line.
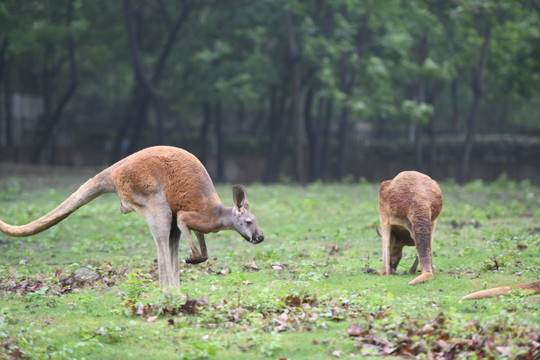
{"x":99,"y":184}
{"x":534,"y":286}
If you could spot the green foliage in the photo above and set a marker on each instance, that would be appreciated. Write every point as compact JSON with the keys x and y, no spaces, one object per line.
{"x":303,"y":293}
{"x":136,"y":285}
{"x":236,"y":53}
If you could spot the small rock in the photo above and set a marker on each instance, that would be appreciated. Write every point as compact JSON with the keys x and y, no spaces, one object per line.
{"x":85,"y":275}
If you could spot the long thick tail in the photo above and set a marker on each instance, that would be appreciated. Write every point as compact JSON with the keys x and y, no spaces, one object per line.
{"x":91,"y":189}
{"x":534,"y":286}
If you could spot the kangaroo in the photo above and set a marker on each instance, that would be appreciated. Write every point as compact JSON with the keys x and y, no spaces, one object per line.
{"x":409,"y":206}
{"x":534,"y":286}
{"x":171,"y":189}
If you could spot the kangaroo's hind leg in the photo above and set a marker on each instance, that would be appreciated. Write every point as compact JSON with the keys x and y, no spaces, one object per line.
{"x":174,"y":245}
{"x":158,"y":216}
{"x":423,"y":240}
{"x":386,"y":231}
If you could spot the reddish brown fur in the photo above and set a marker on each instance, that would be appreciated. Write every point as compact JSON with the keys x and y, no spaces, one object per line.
{"x":172,"y":190}
{"x":534,"y":287}
{"x":409,"y":203}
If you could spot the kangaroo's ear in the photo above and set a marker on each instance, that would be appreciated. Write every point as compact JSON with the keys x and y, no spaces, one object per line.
{"x":240,"y":197}
{"x":377,"y":229}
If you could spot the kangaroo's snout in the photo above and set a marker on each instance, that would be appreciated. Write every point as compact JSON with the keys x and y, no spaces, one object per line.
{"x":257,"y":239}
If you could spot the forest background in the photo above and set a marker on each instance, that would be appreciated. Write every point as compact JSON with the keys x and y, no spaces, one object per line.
{"x":274,"y":90}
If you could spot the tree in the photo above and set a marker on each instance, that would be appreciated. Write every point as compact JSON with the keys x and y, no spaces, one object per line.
{"x":145,"y":86}
{"x":48,"y":50}
{"x":294,"y":63}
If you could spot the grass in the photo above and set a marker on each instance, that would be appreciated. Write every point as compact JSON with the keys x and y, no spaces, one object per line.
{"x":297,"y":295}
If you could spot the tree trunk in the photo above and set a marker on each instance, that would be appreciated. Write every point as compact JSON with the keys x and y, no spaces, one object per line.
{"x":278,"y":131}
{"x":342,"y":139}
{"x":418,"y":153}
{"x":145,"y":88}
{"x":220,"y":155}
{"x":143,"y":79}
{"x":203,"y":135}
{"x":455,"y":106}
{"x":316,"y":147}
{"x":325,"y":138}
{"x":241,"y":118}
{"x":431,"y":99}
{"x":52,"y":117}
{"x":311,"y":132}
{"x":478,"y":89}
{"x":294,"y":65}
{"x":3,"y":75}
{"x":432,"y":147}
{"x":421,"y":98}
{"x":8,"y":109}
{"x":136,"y":108}
{"x":347,"y":84}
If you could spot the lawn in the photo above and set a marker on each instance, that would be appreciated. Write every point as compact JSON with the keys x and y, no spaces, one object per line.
{"x":304,"y":293}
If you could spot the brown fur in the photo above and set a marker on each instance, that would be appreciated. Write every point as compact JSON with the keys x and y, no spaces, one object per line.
{"x":400,"y":238}
{"x":409,"y":206}
{"x":534,"y":286}
{"x":173,"y":192}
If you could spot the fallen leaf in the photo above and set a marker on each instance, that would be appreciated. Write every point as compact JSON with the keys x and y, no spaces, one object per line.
{"x":152,"y":318}
{"x":334,"y":248}
{"x":252,"y":267}
{"x":504,"y":350}
{"x":140,"y":310}
{"x":355,"y":330}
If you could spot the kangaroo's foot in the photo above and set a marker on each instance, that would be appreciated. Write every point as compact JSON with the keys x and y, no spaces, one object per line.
{"x":377,"y":272}
{"x":421,"y":278}
{"x":197,"y":260}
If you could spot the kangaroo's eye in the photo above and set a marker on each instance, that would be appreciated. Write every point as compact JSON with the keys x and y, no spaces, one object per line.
{"x":248,"y":221}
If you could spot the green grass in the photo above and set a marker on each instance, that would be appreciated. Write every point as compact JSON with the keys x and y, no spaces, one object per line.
{"x":311,"y":285}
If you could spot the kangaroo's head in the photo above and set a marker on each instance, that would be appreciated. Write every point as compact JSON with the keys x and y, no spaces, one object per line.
{"x":245,"y":223}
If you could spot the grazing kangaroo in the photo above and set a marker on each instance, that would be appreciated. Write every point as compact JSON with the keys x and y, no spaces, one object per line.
{"x":534,"y":286}
{"x":409,"y":206}
{"x":173,"y":192}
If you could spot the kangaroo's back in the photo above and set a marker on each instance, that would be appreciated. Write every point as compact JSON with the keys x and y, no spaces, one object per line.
{"x":178,"y":174}
{"x":409,"y":194}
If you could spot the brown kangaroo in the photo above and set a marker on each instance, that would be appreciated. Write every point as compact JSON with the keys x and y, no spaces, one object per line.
{"x":534,"y":286}
{"x":173,"y":192}
{"x":409,"y":206}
